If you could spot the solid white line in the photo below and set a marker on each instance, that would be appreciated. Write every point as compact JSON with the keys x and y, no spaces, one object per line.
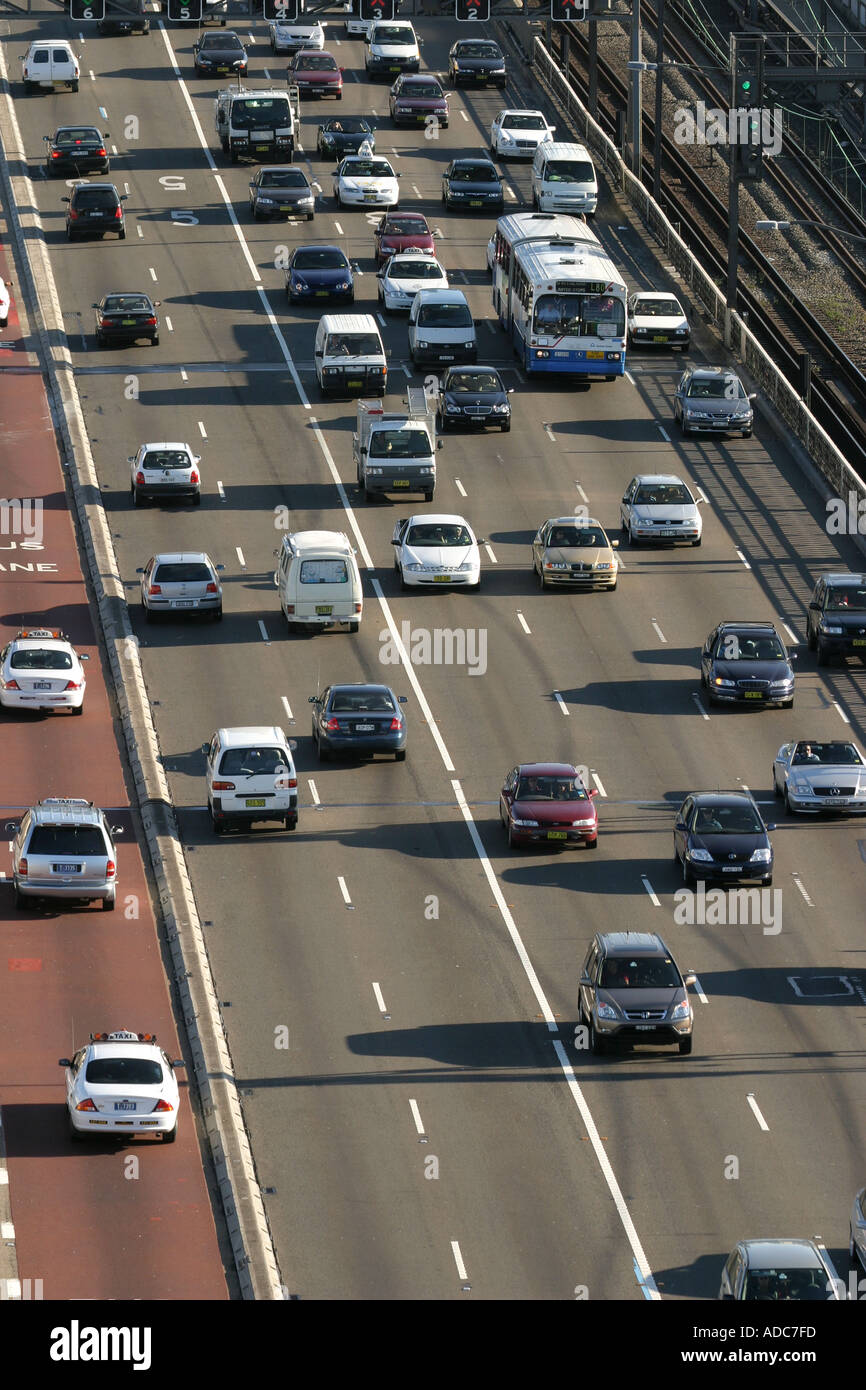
{"x":649,"y":888}
{"x":803,"y":891}
{"x":222,"y":492}
{"x":583,"y":496}
{"x":664,"y":434}
{"x":114,"y":149}
{"x":661,"y":635}
{"x":152,"y":272}
{"x":493,"y":559}
{"x":379,"y":1000}
{"x":168,"y":324}
{"x":240,"y":555}
{"x":697,"y":699}
{"x":699,"y":492}
{"x":314,"y":793}
{"x":183,"y":375}
{"x":597,"y":780}
{"x":510,"y":193}
{"x":758,"y":1116}
{"x":791,"y":633}
{"x":841,"y":712}
{"x":264,"y":631}
{"x":549,"y":432}
{"x":744,"y":560}
{"x":628,"y":376}
{"x":344,"y":890}
{"x":464,"y":115}
{"x":287,"y":707}
{"x":339,"y":229}
{"x":416,"y":1116}
{"x":523,"y":623}
{"x":458,"y":1260}
{"x":460,"y":488}
{"x":4,"y":1177}
{"x":699,"y":991}
{"x":563,"y":707}
{"x":202,"y":430}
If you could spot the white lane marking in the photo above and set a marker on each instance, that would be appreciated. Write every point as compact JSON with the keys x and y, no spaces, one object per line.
{"x":493,"y":559}
{"x":744,"y":560}
{"x":549,"y":432}
{"x":841,"y":712}
{"x":313,"y":792}
{"x":7,"y":1230}
{"x":103,"y":113}
{"x":465,"y":117}
{"x":240,"y":554}
{"x":264,"y":631}
{"x":126,"y":189}
{"x":152,"y":272}
{"x":4,"y":1177}
{"x":268,"y":76}
{"x":183,"y":375}
{"x":697,"y":699}
{"x":791,"y":633}
{"x":416,"y":190}
{"x":659,"y":632}
{"x":140,"y":232}
{"x":699,"y":991}
{"x":251,"y":37}
{"x":168,"y":324}
{"x":81,"y":38}
{"x":799,"y":884}
{"x":753,"y":1104}
{"x":381,"y":319}
{"x":597,"y":780}
{"x":699,"y":492}
{"x":221,"y":490}
{"x":287,"y":707}
{"x":563,"y":707}
{"x":649,"y":888}
{"x":202,"y":430}
{"x":458,"y":1260}
{"x":344,"y":890}
{"x":92,"y":75}
{"x":523,"y":623}
{"x":416,"y":1116}
{"x":582,"y":494}
{"x":510,"y":193}
{"x":407,"y":371}
{"x":379,"y":1000}
{"x":488,"y":323}
{"x":460,"y":488}
{"x":664,"y":434}
{"x":339,"y":229}
{"x":628,"y":376}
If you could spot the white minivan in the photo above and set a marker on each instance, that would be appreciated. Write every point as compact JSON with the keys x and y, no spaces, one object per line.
{"x":441,"y":328}
{"x":318,"y":581}
{"x":251,"y":776}
{"x":50,"y":63}
{"x":564,"y":179}
{"x":350,"y":356}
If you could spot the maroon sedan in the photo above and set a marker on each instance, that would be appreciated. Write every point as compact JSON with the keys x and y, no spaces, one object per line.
{"x":403,"y":231}
{"x":417,"y":96}
{"x":316,"y":74}
{"x":548,"y":803}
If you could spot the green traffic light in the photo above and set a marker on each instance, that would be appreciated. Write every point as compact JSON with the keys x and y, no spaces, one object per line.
{"x":746,"y":85}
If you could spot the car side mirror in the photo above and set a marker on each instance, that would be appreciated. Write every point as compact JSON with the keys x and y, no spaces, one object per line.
{"x":402,"y":699}
{"x":140,"y":569}
{"x":252,"y":183}
{"x":130,"y":457}
{"x":815,"y":607}
{"x":593,"y":791}
{"x":46,"y":137}
{"x":679,"y":825}
{"x":124,"y":197}
{"x":793,"y":656}
{"x":64,"y":1062}
{"x":334,"y":172}
{"x":117,"y":830}
{"x":293,"y":745}
{"x":690,"y":978}
{"x":157,"y":303}
{"x":66,"y":200}
{"x":439,"y":443}
{"x":396,"y":542}
{"x":219,"y":568}
{"x":614,"y":545}
{"x":412,"y":321}
{"x":205,"y":748}
{"x":82,"y":656}
{"x":769,"y":827}
{"x":584,"y":979}
{"x":318,"y":352}
{"x":753,"y":396}
{"x":699,"y":501}
{"x":510,"y":391}
{"x":313,"y":700}
{"x":177,"y":1062}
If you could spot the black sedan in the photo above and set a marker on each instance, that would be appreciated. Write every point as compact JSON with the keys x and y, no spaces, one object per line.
{"x":219,"y":54}
{"x":277,"y":191}
{"x":76,"y":149}
{"x":125,"y":318}
{"x":720,"y":836}
{"x":475,"y":397}
{"x":345,"y":135}
{"x":747,"y":664}
{"x":477,"y":60}
{"x":360,"y":719}
{"x":473,"y":184}
{"x":315,"y":273}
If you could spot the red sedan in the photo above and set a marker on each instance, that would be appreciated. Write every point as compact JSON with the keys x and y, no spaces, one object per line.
{"x":416,"y":97}
{"x":316,"y":74}
{"x":548,"y":803}
{"x":403,"y":231}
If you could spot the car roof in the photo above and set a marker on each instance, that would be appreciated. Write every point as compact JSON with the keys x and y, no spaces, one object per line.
{"x":655,"y":294}
{"x":141,"y":294}
{"x":280,"y":169}
{"x":242,"y":734}
{"x":658,"y":478}
{"x":793,"y":1251}
{"x":96,"y":1050}
{"x":349,"y":323}
{"x":711,"y":371}
{"x":475,"y":159}
{"x":335,"y":541}
{"x":61,"y":641}
{"x":571,"y":521}
{"x":630,"y":942}
{"x":547,"y":770}
{"x":446,"y":518}
{"x":65,"y":811}
{"x":408,"y":216}
{"x":175,"y":557}
{"x":840,"y":577}
{"x":720,"y":798}
{"x":442,"y":296}
{"x":165,"y":444}
{"x":749,"y":626}
{"x":360,"y":687}
{"x":319,"y":246}
{"x":520,"y":111}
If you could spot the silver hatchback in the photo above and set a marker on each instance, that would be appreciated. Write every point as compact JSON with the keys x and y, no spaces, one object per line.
{"x":64,"y":848}
{"x":179,"y":583}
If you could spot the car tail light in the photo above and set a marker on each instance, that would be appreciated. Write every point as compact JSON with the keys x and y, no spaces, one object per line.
{"x":85,"y":1105}
{"x":106,"y":323}
{"x":332,"y":723}
{"x":118,"y":212}
{"x":357,"y":607}
{"x":193,"y":477}
{"x":396,"y":724}
{"x":110,"y":869}
{"x":139,"y":478}
{"x":154,"y":588}
{"x":211,"y":589}
{"x":100,"y":152}
{"x":55,"y":154}
{"x":162,"y":1105}
{"x":293,"y":781}
{"x":72,"y":215}
{"x":72,"y":685}
{"x":290,"y":608}
{"x":22,"y":868}
{"x":151,"y":322}
{"x":223,"y":786}
{"x":11,"y":685}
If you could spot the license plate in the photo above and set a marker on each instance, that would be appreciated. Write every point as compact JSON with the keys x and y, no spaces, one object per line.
{"x":735,"y":869}
{"x":666,"y":531}
{"x":476,"y":203}
{"x":557,"y":835}
{"x":324,"y":609}
{"x":395,"y":67}
{"x":182,"y":603}
{"x":595,"y":356}
{"x":754,"y":694}
{"x":255,"y":801}
{"x":66,"y":868}
{"x":660,"y":338}
{"x":94,"y":214}
{"x":124,"y":1105}
{"x":371,"y":197}
{"x":442,"y":579}
{"x":364,"y":728}
{"x":836,"y":800}
{"x":401,"y":482}
{"x":321,"y":294}
{"x":127,"y":323}
{"x":261,"y":149}
{"x":41,"y":685}
{"x":446,"y":357}
{"x":222,"y":69}
{"x":644,"y":1028}
{"x":859,"y":642}
{"x":354,"y":382}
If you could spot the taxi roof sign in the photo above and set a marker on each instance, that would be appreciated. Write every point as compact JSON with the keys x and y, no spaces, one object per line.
{"x":53,"y":632}
{"x":123,"y":1035}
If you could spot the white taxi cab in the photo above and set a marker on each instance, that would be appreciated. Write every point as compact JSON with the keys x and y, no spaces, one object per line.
{"x":121,"y":1083}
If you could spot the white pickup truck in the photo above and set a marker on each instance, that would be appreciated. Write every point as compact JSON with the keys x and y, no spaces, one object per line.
{"x":260,"y":124}
{"x":50,"y":63}
{"x":395,"y":450}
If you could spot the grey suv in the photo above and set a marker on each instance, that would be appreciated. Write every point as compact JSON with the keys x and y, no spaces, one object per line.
{"x":836,"y":618}
{"x":632,"y":991}
{"x":64,"y":848}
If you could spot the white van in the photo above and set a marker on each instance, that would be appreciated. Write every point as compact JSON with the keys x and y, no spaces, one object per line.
{"x":392,"y":48}
{"x":318,"y":581}
{"x":441,"y":327}
{"x":251,"y":776}
{"x":350,"y":356}
{"x":50,"y":63}
{"x":564,"y":179}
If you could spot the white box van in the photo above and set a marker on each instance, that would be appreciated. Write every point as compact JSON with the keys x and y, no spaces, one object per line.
{"x":392,"y":48}
{"x":441,"y":327}
{"x":50,"y":63}
{"x":564,"y":179}
{"x":251,"y":776}
{"x":318,"y":581}
{"x":350,"y":356}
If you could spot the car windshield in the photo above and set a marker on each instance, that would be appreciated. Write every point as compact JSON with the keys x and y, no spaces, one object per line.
{"x":578,"y":315}
{"x":578,"y":537}
{"x":716,"y":388}
{"x":325,"y":258}
{"x":473,"y":382}
{"x":63,"y":138}
{"x":788,"y":1285}
{"x":401,"y":444}
{"x":284,"y":178}
{"x":324,"y":572}
{"x":569,"y":171}
{"x":727,"y":820}
{"x":393,"y":33}
{"x":657,"y":308}
{"x":166,"y":458}
{"x":127,"y":304}
{"x":181,"y":572}
{"x":348,"y":125}
{"x":474,"y":173}
{"x":469,"y":49}
{"x":445,"y":316}
{"x":67,"y":841}
{"x":123,"y":1071}
{"x":423,"y":269}
{"x":252,"y":762}
{"x":93,"y":197}
{"x":367,"y":169}
{"x":640,"y":972}
{"x":40,"y":659}
{"x":848,"y":596}
{"x":735,"y":646}
{"x":260,"y":113}
{"x":364,"y":702}
{"x":405,"y":226}
{"x":438,"y":533}
{"x":319,"y":62}
{"x":221,"y":43}
{"x":663,"y":495}
{"x":545,"y":788}
{"x":420,"y":89}
{"x":519,"y":122}
{"x":836,"y":753}
{"x":353,"y":345}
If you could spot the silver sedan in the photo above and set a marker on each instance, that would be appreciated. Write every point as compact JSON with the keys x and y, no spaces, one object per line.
{"x":857,"y":1238}
{"x":814,"y":776}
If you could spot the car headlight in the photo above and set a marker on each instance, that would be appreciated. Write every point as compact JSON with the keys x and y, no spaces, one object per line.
{"x":760,"y":856}
{"x":603,"y":565}
{"x":332,"y":371}
{"x":504,"y":135}
{"x":422,"y":343}
{"x":555,"y":565}
{"x":830,"y":630}
{"x":377,"y":473}
{"x":682,"y":330}
{"x":416,"y":567}
{"x":425,"y":470}
{"x":452,"y":409}
{"x":588,"y":820}
{"x":524,"y":823}
{"x":306,"y":201}
{"x":681,"y":1010}
{"x":702,"y":856}
{"x":802,"y":787}
{"x":720,"y":680}
{"x":344,"y":285}
{"x":741,"y":415}
{"x":501,"y":409}
{"x":605,"y":1010}
{"x":782,"y":685}
{"x":268,"y":201}
{"x":298,"y":283}
{"x":467,"y":567}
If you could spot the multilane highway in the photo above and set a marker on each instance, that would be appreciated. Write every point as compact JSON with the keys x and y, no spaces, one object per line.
{"x":431,"y":1127}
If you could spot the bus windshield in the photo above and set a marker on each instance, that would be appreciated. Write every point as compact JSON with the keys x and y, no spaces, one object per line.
{"x":579,"y":315}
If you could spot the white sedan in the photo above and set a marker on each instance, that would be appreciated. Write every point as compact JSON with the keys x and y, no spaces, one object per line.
{"x":40,"y":669}
{"x":362,"y":181}
{"x":405,"y":274}
{"x":436,"y":550}
{"x":517,"y":134}
{"x":159,"y":471}
{"x":656,"y":317}
{"x":288,"y":37}
{"x":659,"y":507}
{"x":5,"y":301}
{"x":121,"y":1083}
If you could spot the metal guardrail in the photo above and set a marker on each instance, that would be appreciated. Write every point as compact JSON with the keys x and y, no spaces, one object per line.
{"x":738,"y":338}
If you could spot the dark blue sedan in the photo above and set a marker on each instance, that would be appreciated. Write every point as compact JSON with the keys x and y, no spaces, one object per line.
{"x":473,"y":184}
{"x":316,"y":273}
{"x":360,"y":720}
